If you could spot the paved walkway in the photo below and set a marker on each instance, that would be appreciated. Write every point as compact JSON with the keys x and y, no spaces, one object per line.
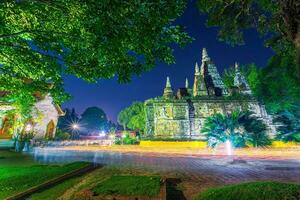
{"x":216,"y":169}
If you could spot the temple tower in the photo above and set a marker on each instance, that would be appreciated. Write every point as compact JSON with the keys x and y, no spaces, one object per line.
{"x":241,"y":82}
{"x":212,"y":78}
{"x":199,"y":88}
{"x":168,"y":92}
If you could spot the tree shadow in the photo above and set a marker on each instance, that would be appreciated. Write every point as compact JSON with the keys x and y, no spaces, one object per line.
{"x":173,"y":193}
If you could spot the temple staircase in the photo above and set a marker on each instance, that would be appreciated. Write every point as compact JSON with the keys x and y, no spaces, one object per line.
{"x":191,"y":117}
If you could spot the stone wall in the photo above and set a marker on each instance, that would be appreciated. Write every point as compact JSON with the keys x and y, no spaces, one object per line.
{"x":173,"y":118}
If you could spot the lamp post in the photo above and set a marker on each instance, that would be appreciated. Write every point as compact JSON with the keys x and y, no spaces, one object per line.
{"x":75,"y":128}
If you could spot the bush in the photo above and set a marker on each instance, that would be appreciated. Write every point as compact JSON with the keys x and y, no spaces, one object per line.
{"x":62,"y":135}
{"x":126,"y":140}
{"x":238,"y":127}
{"x":254,"y":190}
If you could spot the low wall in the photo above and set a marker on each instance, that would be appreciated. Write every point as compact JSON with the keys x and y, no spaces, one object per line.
{"x":174,"y":144}
{"x":75,"y":143}
{"x":281,"y":144}
{"x":203,"y":144}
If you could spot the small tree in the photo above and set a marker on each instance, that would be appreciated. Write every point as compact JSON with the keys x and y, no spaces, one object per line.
{"x":219,"y":128}
{"x":237,"y":127}
{"x":133,"y":117}
{"x":289,"y":129}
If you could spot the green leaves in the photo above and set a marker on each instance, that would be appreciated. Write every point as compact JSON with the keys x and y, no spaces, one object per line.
{"x":237,"y":127}
{"x":133,"y":117}
{"x":41,"y":41}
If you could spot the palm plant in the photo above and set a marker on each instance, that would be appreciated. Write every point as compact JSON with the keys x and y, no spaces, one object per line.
{"x":237,"y":127}
{"x":255,"y":130}
{"x":289,"y":129}
{"x":220,"y":128}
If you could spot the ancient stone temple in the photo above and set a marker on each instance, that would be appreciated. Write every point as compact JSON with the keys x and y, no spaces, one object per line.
{"x":183,"y":114}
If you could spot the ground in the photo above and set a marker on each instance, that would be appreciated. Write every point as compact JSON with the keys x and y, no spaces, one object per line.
{"x":20,"y":172}
{"x":194,"y":172}
{"x":188,"y":171}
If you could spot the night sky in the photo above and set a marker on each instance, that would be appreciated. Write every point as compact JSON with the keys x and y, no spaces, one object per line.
{"x":113,"y":97}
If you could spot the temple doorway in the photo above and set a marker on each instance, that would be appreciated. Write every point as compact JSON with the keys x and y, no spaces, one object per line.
{"x":50,"y":129}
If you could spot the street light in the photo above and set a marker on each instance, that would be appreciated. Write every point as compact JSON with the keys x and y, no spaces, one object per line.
{"x":75,"y":126}
{"x":28,"y":127}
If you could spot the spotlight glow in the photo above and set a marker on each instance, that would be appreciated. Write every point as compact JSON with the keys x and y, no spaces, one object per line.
{"x":228,"y":147}
{"x":75,"y":126}
{"x":28,"y":127}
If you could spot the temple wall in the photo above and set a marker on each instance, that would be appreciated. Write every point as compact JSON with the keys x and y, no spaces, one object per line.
{"x":46,"y":117}
{"x":172,"y":119}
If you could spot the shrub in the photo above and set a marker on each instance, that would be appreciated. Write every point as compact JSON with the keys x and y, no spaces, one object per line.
{"x":254,"y":190}
{"x":62,"y":135}
{"x":238,"y":127}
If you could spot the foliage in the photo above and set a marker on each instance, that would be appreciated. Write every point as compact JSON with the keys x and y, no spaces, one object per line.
{"x":289,"y":125}
{"x":16,"y":179}
{"x":220,"y":128}
{"x":126,"y":140}
{"x":278,"y":95}
{"x":93,"y":119}
{"x":133,"y":116}
{"x":283,"y":93}
{"x":129,"y":186}
{"x":62,"y":135}
{"x":255,"y":130}
{"x":276,"y":21}
{"x":42,"y":40}
{"x":250,"y":72}
{"x":238,"y":127}
{"x":253,"y":190}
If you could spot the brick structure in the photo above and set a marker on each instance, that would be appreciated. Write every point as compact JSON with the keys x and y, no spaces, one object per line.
{"x":184,"y":114}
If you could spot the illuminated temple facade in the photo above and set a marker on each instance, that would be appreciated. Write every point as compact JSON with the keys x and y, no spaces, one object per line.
{"x":183,"y":114}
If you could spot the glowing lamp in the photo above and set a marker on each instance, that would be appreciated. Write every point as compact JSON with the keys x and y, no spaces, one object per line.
{"x":75,"y":126}
{"x":28,"y":127}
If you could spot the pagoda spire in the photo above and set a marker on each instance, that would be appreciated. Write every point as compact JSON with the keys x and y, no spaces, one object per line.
{"x":205,"y":56}
{"x":168,"y":92}
{"x":197,"y":70}
{"x":237,"y":67}
{"x":168,"y":83}
{"x":199,"y":88}
{"x":186,"y":83}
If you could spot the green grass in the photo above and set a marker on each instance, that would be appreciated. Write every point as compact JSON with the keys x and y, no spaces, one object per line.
{"x":56,"y":191}
{"x":129,"y":186}
{"x":253,"y":191}
{"x":19,"y":172}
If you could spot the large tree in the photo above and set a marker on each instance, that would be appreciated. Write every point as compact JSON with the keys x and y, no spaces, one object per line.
{"x":41,"y":39}
{"x":133,"y":117}
{"x":277,"y":20}
{"x":93,"y":119}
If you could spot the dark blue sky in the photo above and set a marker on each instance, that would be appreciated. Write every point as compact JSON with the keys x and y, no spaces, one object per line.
{"x":113,"y":97}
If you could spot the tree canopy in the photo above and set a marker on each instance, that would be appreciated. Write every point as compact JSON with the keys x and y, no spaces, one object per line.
{"x":41,"y":40}
{"x":278,"y":21}
{"x":93,"y":119}
{"x":133,"y":117}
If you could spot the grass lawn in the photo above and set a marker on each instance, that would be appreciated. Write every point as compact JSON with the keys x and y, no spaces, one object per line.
{"x":56,"y":191}
{"x":129,"y":186}
{"x":17,"y":176}
{"x":253,"y":191}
